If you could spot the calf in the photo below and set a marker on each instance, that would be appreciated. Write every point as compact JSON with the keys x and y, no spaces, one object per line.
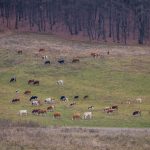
{"x":33,"y":97}
{"x":30,"y":81}
{"x":57,"y":115}
{"x":76,"y":116}
{"x":15,"y":100}
{"x":75,"y":60}
{"x":47,"y":62}
{"x":136,"y":113}
{"x":50,"y":108}
{"x":27,"y":92}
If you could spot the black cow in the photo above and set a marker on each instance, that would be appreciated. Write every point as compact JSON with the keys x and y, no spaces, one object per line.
{"x":47,"y":62}
{"x":35,"y":111}
{"x":13,"y":79}
{"x":85,"y":97}
{"x":33,"y":97}
{"x":136,"y":113}
{"x":76,"y":97}
{"x":61,"y":61}
{"x":63,"y":98}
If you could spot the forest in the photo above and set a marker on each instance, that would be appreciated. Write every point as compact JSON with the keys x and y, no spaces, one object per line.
{"x":120,"y":21}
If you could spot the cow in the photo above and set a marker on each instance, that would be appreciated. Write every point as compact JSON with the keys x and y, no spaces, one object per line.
{"x":75,"y":60}
{"x":49,"y":101}
{"x":107,"y":108}
{"x":33,"y":97}
{"x":110,"y":111}
{"x":50,"y":108}
{"x":95,"y":55}
{"x":139,"y":100}
{"x":47,"y":62}
{"x":57,"y":115}
{"x":45,"y":57}
{"x":43,"y":112}
{"x":91,"y":108}
{"x":63,"y":98}
{"x":136,"y":113}
{"x":13,"y":79}
{"x":36,"y":82}
{"x":27,"y":92}
{"x":72,"y":104}
{"x":76,"y":97}
{"x":41,"y":50}
{"x":85,"y":97}
{"x":19,"y":51}
{"x":76,"y":116}
{"x":115,"y":107}
{"x":60,"y":82}
{"x":15,"y":100}
{"x":23,"y":112}
{"x":61,"y":61}
{"x":108,"y":52}
{"x":35,"y":111}
{"x":87,"y":115}
{"x":36,"y":103}
{"x":30,"y":81}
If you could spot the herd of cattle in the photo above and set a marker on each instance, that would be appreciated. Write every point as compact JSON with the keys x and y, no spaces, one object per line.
{"x":51,"y":103}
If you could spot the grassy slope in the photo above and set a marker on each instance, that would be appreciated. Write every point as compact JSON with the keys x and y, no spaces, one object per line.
{"x":108,"y":81}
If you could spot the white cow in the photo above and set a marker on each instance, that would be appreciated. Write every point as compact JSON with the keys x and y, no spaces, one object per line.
{"x":35,"y":103}
{"x":139,"y":100}
{"x":87,"y":115}
{"x":23,"y":112}
{"x":60,"y":82}
{"x":45,"y":57}
{"x":49,"y":101}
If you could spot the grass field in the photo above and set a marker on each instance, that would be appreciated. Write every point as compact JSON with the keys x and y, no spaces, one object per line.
{"x":109,"y":80}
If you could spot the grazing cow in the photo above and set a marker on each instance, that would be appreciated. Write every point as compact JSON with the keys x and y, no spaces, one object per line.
{"x":41,"y":50}
{"x":36,"y":103}
{"x":33,"y":97}
{"x":45,"y":57}
{"x":94,"y":55}
{"x":50,"y":108}
{"x":30,"y":81}
{"x":23,"y":112}
{"x":15,"y":100}
{"x":115,"y":107}
{"x":43,"y":112}
{"x":72,"y":104}
{"x":91,"y":108}
{"x":108,"y":52}
{"x":60,"y":82}
{"x":49,"y":101}
{"x":136,"y":113}
{"x":110,"y":111}
{"x":13,"y":79}
{"x":47,"y":62}
{"x":76,"y":116}
{"x":106,"y":109}
{"x":63,"y":98}
{"x":27,"y":92}
{"x":57,"y":115}
{"x":76,"y":97}
{"x":85,"y":97}
{"x":61,"y":61}
{"x":87,"y":115}
{"x":35,"y":111}
{"x":19,"y":51}
{"x":139,"y":100}
{"x":75,"y":60}
{"x":36,"y":82}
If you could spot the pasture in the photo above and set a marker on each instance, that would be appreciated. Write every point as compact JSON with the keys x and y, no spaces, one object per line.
{"x":108,"y":80}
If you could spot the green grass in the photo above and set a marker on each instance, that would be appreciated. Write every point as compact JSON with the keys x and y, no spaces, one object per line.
{"x":108,"y":81}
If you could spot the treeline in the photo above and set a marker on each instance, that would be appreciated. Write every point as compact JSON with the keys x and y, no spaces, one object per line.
{"x":115,"y":20}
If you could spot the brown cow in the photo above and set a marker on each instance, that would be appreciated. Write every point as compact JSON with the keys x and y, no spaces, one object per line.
{"x":30,"y":81}
{"x":27,"y":92}
{"x":57,"y":115}
{"x":19,"y":51}
{"x":95,"y":55}
{"x":36,"y":82}
{"x":114,"y":107}
{"x":76,"y":116}
{"x":35,"y":111}
{"x":50,"y":108}
{"x":42,"y":112}
{"x":15,"y":100}
{"x":110,"y":111}
{"x":75,"y":60}
{"x":41,"y":50}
